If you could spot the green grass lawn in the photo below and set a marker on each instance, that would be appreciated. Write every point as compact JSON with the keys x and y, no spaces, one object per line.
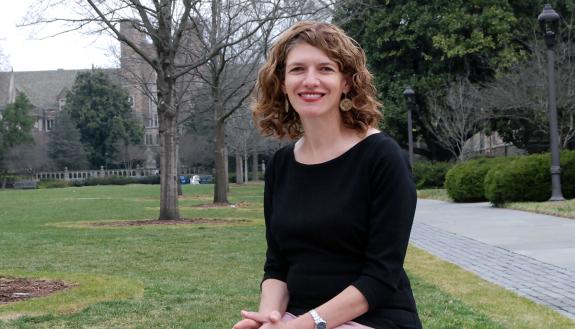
{"x":190,"y":276}
{"x":434,"y":193}
{"x":555,"y":208}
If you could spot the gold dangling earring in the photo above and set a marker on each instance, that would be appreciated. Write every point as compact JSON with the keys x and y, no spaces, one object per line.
{"x":286,"y":105}
{"x":345,"y":104}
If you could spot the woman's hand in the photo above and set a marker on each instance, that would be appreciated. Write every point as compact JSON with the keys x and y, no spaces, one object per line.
{"x":277,"y":325}
{"x":255,"y":320}
{"x":247,"y":324}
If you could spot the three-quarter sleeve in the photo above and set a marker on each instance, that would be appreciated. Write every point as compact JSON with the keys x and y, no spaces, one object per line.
{"x":275,"y":266}
{"x":392,"y":205}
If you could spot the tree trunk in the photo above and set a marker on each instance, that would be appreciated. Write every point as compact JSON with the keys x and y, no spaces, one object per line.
{"x":168,"y":150}
{"x":239,"y":169}
{"x":168,"y":169}
{"x":255,"y":164}
{"x":227,"y":167}
{"x":246,"y":169}
{"x":178,"y":166}
{"x":221,"y":186}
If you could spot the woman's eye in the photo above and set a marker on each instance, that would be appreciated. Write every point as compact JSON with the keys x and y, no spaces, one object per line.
{"x":327,"y":69}
{"x":296,"y":69}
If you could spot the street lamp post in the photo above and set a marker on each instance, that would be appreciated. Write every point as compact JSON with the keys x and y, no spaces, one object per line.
{"x":549,"y":22}
{"x":409,"y":95}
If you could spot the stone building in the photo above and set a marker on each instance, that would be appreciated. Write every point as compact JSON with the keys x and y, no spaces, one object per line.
{"x":47,"y":91}
{"x":491,"y":145}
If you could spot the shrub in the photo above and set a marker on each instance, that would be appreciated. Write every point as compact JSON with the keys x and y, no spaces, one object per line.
{"x":8,"y":181}
{"x":465,"y":181}
{"x":568,"y":174}
{"x":53,"y":183}
{"x":110,"y":180}
{"x":430,"y":174}
{"x":526,"y":178}
{"x":147,"y":180}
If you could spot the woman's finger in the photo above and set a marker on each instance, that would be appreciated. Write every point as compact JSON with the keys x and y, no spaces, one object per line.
{"x":247,"y":324}
{"x":275,"y":316}
{"x":256,"y":316}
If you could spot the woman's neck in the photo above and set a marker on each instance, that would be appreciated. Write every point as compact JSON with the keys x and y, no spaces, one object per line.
{"x":324,"y":140}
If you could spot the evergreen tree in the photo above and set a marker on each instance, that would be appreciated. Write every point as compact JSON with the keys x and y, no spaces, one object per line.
{"x":103,"y":115}
{"x":16,"y":124}
{"x":428,"y":45}
{"x":64,"y":146}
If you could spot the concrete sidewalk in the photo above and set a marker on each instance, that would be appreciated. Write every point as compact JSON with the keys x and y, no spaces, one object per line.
{"x":531,"y":254}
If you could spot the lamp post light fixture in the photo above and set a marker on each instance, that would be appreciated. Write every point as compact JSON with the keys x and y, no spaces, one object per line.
{"x":549,"y":22}
{"x":409,"y":95}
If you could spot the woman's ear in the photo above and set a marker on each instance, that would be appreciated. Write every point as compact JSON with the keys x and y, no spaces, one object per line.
{"x":346,"y":85}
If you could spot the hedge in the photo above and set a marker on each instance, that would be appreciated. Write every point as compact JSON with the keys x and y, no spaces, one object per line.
{"x":109,"y":180}
{"x":53,"y":183}
{"x":528,"y":178}
{"x":465,"y":181}
{"x":430,"y":174}
{"x":93,"y":181}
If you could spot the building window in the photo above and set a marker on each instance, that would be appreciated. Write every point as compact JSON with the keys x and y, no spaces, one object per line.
{"x":49,"y":124}
{"x":61,"y":103}
{"x":131,"y":101}
{"x":152,"y":121}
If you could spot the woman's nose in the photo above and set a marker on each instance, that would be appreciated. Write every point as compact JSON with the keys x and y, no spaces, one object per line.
{"x":311,"y":79}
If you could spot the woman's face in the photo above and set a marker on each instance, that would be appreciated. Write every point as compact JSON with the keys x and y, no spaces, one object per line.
{"x":313,"y":82}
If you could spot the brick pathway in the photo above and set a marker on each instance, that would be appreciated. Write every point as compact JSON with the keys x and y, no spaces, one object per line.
{"x":543,"y":283}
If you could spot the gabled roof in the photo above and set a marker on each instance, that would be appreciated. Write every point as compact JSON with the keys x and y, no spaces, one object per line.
{"x":43,"y":88}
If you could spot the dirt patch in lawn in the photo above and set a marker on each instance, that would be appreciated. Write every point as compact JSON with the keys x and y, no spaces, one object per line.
{"x":189,"y":221}
{"x":17,"y":289}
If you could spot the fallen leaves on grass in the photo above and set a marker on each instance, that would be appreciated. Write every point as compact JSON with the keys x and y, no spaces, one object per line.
{"x":17,"y":289}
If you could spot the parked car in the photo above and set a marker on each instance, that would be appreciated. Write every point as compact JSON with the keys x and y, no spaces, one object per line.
{"x":184,"y":180}
{"x":206,"y":179}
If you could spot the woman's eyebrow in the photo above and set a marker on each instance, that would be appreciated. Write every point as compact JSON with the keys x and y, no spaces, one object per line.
{"x":301,"y":63}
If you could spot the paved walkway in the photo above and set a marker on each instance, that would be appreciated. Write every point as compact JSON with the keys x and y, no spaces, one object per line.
{"x":531,"y":254}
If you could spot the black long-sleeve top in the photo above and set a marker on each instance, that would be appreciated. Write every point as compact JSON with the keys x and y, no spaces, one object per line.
{"x":343,"y":222}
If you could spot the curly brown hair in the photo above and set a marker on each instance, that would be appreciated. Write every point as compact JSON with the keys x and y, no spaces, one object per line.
{"x":268,"y":108}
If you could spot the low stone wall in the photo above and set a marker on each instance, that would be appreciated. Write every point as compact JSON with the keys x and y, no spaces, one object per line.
{"x":76,"y":175}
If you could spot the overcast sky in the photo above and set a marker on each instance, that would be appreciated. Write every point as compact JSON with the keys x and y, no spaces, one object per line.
{"x":24,"y":52}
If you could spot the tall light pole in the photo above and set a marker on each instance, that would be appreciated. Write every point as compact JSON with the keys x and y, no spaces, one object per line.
{"x":409,"y":95}
{"x":549,"y":22}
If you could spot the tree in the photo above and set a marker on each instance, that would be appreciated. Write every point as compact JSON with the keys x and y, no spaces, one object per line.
{"x":15,"y":130}
{"x":16,"y":123}
{"x":429,"y":44}
{"x":518,"y":97}
{"x":102,"y":112}
{"x":455,"y":116}
{"x":229,"y":76}
{"x":65,"y":148}
{"x":28,"y":158}
{"x":243,"y":139}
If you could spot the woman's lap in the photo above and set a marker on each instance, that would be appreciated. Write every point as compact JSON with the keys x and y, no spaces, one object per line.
{"x":348,"y":325}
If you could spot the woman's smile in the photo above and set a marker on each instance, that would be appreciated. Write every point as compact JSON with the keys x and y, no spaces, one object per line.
{"x":311,"y":96}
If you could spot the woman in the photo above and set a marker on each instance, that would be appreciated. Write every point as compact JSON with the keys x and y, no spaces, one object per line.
{"x":339,"y":203}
